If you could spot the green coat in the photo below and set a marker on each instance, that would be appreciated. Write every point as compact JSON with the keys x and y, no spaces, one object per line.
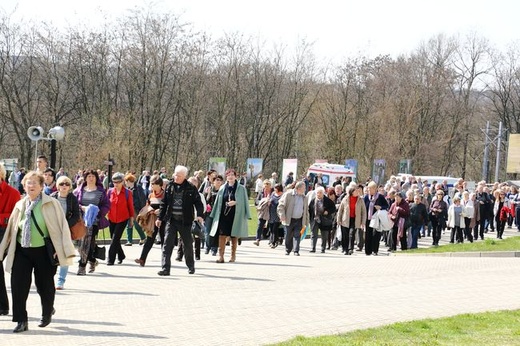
{"x":242,"y":213}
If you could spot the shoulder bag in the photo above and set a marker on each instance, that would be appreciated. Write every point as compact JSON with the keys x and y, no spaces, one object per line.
{"x":51,"y":252}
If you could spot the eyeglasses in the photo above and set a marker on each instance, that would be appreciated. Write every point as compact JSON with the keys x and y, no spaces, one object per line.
{"x":117,"y":182}
{"x":64,"y":184}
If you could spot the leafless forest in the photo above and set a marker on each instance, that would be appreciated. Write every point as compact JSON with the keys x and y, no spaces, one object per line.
{"x":150,"y":91}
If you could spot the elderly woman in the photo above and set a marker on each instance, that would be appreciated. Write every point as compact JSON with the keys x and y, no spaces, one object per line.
{"x":34,"y":217}
{"x":321,"y":215}
{"x":120,"y":215}
{"x":262,"y":205}
{"x":456,"y":220}
{"x":230,"y":214}
{"x":351,"y":216}
{"x":399,"y":211}
{"x":374,"y":201}
{"x":70,"y":206}
{"x":438,"y":215}
{"x":139,"y":202}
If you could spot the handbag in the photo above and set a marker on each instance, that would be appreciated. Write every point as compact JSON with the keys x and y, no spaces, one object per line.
{"x":49,"y":246}
{"x":78,"y":230}
{"x":196,"y":229}
{"x":100,"y":252}
{"x":326,"y":220}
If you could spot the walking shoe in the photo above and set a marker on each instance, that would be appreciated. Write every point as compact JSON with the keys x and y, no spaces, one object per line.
{"x":163,"y":273}
{"x":256,"y":242}
{"x":82,"y":271}
{"x":178,"y":259}
{"x":206,"y":251}
{"x":312,"y":251}
{"x":92,"y":266}
{"x":139,"y":261}
{"x":141,"y":242}
{"x":191,"y":271}
{"x":296,"y":254}
{"x":128,"y":244}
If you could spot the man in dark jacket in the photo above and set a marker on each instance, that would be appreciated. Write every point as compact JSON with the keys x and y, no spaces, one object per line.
{"x":181,"y":198}
{"x":321,"y":210}
{"x":418,"y":218}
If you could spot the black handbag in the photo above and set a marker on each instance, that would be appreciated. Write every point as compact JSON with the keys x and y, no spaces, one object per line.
{"x":326,"y":220}
{"x":49,"y":246}
{"x":100,"y":252}
{"x":197,"y":229}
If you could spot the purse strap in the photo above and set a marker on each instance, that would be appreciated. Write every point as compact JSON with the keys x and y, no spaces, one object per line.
{"x":36,"y":224}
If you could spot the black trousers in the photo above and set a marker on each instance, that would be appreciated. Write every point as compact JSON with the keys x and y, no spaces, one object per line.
{"x":116,"y":232}
{"x":171,"y":229}
{"x":4,"y":300}
{"x":148,"y":243}
{"x":25,"y":261}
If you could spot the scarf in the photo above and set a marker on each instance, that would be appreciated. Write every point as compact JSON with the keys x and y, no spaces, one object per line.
{"x":26,"y":230}
{"x":371,"y":205}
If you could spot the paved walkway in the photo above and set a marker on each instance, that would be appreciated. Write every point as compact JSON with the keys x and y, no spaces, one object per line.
{"x":264,"y":297}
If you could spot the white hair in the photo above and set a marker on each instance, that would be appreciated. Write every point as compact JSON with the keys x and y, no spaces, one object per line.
{"x":320,"y":188}
{"x":181,"y":169}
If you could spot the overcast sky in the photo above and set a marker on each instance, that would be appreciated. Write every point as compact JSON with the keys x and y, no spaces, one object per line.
{"x":338,"y":28}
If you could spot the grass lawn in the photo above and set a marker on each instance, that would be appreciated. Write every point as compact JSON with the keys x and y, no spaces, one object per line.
{"x":508,"y":244}
{"x":490,"y":328}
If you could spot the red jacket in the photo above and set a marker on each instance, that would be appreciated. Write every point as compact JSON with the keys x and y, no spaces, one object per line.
{"x":121,"y":205}
{"x":8,"y":198}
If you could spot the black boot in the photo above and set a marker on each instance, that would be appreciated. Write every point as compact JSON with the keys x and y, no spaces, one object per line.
{"x":21,"y":327}
{"x":46,"y":320}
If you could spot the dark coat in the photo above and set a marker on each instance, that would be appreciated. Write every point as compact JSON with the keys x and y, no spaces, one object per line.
{"x":328,"y":206}
{"x":191,"y":198}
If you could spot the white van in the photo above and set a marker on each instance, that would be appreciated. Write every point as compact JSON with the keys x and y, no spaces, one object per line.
{"x":330,"y":172}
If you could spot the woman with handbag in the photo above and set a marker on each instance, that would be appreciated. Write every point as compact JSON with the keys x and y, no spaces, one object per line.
{"x":322,"y":210}
{"x":70,"y":206}
{"x":91,"y":192}
{"x":154,"y":200}
{"x":37,"y":236}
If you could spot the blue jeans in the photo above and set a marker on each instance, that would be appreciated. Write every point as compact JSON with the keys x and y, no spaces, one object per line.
{"x":210,"y":241}
{"x":62,"y":275}
{"x":416,"y":229}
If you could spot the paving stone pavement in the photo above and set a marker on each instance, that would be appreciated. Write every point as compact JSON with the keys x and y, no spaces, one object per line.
{"x":264,"y":297}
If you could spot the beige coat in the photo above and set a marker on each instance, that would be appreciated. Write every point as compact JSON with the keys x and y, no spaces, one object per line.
{"x":343,"y":217}
{"x":57,"y":225}
{"x":286,"y":206}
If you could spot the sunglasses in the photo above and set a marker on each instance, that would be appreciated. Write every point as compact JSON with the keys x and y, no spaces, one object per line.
{"x":64,"y":184}
{"x":117,"y":181}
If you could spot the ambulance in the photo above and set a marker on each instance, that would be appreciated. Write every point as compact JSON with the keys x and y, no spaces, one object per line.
{"x":330,"y":172}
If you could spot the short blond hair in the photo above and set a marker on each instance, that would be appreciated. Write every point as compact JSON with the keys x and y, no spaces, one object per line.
{"x":2,"y":171}
{"x":65,"y":179}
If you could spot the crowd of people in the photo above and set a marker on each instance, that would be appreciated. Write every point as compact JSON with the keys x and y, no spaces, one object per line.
{"x":210,"y":211}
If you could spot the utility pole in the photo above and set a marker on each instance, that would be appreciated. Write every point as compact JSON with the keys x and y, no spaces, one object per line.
{"x":497,"y":165}
{"x":485,"y":165}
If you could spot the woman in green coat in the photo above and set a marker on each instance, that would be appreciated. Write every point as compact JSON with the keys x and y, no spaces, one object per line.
{"x":230,"y":214}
